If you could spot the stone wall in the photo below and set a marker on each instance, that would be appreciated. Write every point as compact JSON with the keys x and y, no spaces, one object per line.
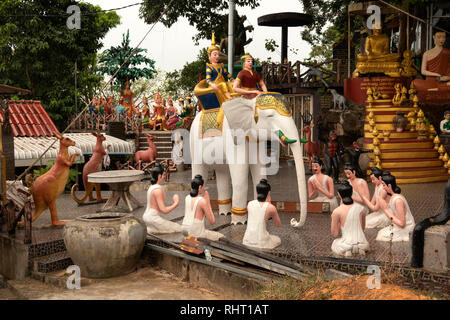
{"x":13,"y":258}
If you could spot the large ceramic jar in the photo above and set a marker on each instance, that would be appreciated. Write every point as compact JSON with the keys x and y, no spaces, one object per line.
{"x":105,"y":245}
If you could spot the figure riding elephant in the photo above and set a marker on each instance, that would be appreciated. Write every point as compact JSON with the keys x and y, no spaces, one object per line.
{"x":229,"y":149}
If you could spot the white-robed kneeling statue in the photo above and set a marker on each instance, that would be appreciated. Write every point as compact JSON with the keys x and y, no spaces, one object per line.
{"x":349,"y":217}
{"x":198,"y":207}
{"x":155,"y":205}
{"x":321,"y":186}
{"x":259,"y":213}
{"x":396,"y":209}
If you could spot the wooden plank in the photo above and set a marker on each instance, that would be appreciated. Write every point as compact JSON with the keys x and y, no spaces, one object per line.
{"x":251,"y":254}
{"x":266,"y":256}
{"x":262,"y":263}
{"x":211,"y":263}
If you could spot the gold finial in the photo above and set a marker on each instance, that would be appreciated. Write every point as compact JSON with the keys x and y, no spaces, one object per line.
{"x":445,"y":158}
{"x":436,"y":143}
{"x":213,"y":45}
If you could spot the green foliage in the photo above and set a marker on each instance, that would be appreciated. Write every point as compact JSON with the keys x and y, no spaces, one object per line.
{"x":323,"y":51}
{"x":205,"y":15}
{"x":73,"y":173}
{"x":186,"y":78}
{"x":271,"y":45}
{"x":111,"y":59}
{"x":38,"y":51}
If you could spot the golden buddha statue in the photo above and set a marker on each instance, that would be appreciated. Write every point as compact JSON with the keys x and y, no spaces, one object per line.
{"x":408,"y":66}
{"x":435,"y":66}
{"x":377,"y":57}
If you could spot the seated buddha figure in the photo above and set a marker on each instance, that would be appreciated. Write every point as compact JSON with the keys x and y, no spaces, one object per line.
{"x":377,"y":57}
{"x":435,"y":67}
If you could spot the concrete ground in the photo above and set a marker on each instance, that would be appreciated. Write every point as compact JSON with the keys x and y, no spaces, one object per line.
{"x":313,"y":239}
{"x":144,"y":284}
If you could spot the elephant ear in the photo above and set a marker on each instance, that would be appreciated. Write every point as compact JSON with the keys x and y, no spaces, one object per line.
{"x":239,"y":113}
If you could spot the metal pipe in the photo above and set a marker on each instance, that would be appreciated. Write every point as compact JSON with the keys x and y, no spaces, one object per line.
{"x":231,"y":37}
{"x":348,"y":44}
{"x":284,"y":43}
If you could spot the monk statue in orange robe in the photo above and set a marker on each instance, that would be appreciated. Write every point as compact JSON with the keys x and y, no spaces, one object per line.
{"x":435,"y":66}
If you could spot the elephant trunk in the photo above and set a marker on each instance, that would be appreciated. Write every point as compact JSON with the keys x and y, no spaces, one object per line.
{"x":296,"y":147}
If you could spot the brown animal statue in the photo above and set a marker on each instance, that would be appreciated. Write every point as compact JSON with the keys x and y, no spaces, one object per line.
{"x":311,"y":148}
{"x":48,"y":187}
{"x":148,"y":155}
{"x":91,"y":166}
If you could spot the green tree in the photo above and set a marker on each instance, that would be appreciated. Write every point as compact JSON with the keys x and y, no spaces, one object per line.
{"x":205,"y":15}
{"x":38,"y":51}
{"x":180,"y":81}
{"x":111,"y":59}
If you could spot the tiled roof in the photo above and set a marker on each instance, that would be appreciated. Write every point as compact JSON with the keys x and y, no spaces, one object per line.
{"x":28,"y":118}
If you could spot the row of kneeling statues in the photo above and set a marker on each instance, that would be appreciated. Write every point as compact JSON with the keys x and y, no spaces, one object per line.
{"x":351,"y":214}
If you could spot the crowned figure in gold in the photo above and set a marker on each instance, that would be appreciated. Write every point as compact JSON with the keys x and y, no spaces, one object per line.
{"x":158,"y":118}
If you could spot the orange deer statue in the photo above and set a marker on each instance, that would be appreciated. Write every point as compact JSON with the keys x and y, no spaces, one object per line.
{"x":92,"y":166}
{"x":48,"y":187}
{"x":148,"y":155}
{"x":311,"y":148}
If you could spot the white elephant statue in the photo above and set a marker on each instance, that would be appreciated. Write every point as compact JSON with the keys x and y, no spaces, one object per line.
{"x":229,"y":154}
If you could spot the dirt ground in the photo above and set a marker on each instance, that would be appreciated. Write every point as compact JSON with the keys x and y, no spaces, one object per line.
{"x":144,"y":284}
{"x":356,"y":289}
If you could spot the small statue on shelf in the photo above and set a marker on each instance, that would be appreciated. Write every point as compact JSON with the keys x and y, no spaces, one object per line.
{"x":400,"y":121}
{"x":171,"y":115}
{"x":445,"y":124}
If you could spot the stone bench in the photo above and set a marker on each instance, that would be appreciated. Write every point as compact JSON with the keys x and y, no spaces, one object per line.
{"x":436,"y":256}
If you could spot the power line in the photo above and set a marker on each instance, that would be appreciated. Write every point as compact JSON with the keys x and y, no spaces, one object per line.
{"x":68,"y":14}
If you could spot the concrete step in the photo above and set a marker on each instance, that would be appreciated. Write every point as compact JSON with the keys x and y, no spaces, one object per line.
{"x":50,"y":263}
{"x":59,"y":278}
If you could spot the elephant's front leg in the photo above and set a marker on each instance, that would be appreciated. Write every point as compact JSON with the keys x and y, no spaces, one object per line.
{"x":239,"y":178}
{"x":223,"y":189}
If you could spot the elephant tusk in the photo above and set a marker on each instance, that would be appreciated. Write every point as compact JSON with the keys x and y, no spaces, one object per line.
{"x":284,"y":139}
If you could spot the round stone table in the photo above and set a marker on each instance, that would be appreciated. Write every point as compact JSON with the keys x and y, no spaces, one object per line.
{"x":119,"y":181}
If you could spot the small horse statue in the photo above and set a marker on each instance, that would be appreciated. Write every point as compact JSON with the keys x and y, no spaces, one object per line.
{"x":338,"y":100}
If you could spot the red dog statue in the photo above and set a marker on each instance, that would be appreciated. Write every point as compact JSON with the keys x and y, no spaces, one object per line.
{"x":311,"y":148}
{"x":92,"y":166}
{"x":48,"y":187}
{"x":148,"y":155}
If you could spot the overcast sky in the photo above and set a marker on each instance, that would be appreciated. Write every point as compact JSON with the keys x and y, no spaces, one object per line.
{"x":172,"y":48}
